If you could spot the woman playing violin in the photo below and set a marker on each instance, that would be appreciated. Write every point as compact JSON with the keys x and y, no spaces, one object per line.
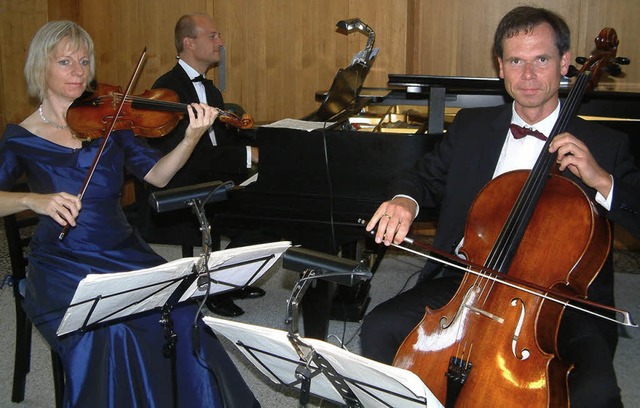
{"x":119,"y":364}
{"x":532,"y":49}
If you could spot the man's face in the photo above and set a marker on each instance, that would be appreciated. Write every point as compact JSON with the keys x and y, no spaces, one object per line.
{"x":531,"y":67}
{"x":207,"y":44}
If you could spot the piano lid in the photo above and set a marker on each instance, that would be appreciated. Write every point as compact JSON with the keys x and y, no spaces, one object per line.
{"x":421,"y":83}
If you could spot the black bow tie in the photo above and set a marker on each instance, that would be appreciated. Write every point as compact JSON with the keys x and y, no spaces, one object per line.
{"x":199,"y":78}
{"x":519,"y":132}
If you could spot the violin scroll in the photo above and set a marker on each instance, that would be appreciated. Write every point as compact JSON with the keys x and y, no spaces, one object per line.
{"x":241,"y":122}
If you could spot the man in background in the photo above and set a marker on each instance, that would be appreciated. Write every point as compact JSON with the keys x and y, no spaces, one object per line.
{"x":223,"y":154}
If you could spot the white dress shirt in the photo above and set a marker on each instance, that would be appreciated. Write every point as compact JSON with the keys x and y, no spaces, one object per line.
{"x":202,"y":96}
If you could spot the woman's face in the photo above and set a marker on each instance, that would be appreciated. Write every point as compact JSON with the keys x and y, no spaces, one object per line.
{"x":67,"y":71}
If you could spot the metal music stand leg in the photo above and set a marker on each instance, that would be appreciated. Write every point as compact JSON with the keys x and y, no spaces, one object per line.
{"x":304,"y":375}
{"x":169,"y":348}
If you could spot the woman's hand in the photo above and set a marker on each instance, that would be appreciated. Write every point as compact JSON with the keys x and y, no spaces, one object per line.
{"x":201,"y":117}
{"x":62,"y":207}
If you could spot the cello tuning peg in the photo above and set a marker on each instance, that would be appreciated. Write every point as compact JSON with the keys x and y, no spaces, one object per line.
{"x":614,"y":69}
{"x":581,"y":60}
{"x":622,"y":60}
{"x":572,"y":71}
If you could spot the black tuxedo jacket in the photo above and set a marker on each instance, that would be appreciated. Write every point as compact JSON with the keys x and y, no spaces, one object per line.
{"x":451,"y":175}
{"x":226,"y":161}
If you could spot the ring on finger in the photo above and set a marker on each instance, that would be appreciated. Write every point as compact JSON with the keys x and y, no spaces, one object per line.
{"x":386,"y":215}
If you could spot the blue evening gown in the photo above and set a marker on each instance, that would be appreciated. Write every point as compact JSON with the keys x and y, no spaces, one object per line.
{"x":122,"y":364}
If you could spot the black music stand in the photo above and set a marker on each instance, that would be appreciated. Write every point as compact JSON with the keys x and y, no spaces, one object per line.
{"x":330,"y":372}
{"x":101,"y":298}
{"x":315,"y":367}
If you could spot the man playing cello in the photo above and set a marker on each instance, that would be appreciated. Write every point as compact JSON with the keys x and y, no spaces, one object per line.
{"x":532,"y":49}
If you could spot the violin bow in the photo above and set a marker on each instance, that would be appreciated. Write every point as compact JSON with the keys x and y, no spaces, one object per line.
{"x":96,"y":159}
{"x":518,"y":284}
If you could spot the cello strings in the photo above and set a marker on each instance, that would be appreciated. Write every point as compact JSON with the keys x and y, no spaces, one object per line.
{"x":627,"y":321}
{"x":506,"y":243}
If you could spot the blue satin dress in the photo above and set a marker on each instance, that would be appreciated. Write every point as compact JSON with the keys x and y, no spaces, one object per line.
{"x":122,"y":364}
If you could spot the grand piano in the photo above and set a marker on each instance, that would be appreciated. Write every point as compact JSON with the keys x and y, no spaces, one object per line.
{"x":314,"y":186}
{"x":312,"y":189}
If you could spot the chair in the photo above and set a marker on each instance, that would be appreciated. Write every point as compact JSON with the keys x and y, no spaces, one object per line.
{"x":17,"y":228}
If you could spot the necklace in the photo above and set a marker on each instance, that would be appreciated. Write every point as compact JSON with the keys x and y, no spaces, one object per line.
{"x":48,"y":122}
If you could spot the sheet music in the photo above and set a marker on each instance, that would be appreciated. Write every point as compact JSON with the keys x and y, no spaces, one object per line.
{"x":375,"y":384}
{"x":113,"y":292}
{"x":250,"y":180}
{"x":299,"y":124}
{"x":103,"y":297}
{"x":237,"y":267}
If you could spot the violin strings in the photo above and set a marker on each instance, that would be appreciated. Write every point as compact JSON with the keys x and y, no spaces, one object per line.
{"x":156,"y":102}
{"x":170,"y":106}
{"x":159,"y":102}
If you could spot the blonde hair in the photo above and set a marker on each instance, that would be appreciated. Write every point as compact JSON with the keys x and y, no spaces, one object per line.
{"x":44,"y":44}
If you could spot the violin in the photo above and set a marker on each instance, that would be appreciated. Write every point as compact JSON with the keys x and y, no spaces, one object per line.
{"x":154,"y":113}
{"x":495,"y":344}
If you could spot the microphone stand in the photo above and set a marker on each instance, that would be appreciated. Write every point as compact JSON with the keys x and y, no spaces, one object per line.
{"x":305,"y":352}
{"x":201,"y":271}
{"x":207,"y":243}
{"x":305,"y":371}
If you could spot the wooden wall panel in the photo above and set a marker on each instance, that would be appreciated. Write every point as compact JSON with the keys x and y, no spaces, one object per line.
{"x":121,"y":29}
{"x":19,"y":20}
{"x":451,"y":39}
{"x":280,"y":52}
{"x":455,"y":38}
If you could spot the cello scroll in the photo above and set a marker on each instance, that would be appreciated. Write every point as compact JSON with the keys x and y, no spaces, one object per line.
{"x":604,"y":58}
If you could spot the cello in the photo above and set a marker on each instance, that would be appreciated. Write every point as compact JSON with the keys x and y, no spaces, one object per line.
{"x":495,"y":344}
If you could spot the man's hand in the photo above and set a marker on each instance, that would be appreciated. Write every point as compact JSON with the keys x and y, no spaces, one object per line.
{"x":575,"y":156}
{"x":393,"y":219}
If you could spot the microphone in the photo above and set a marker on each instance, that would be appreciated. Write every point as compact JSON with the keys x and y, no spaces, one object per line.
{"x":328,"y":267}
{"x":182,"y":197}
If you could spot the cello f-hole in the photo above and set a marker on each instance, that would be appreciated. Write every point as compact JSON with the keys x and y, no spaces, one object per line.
{"x":525,"y":353}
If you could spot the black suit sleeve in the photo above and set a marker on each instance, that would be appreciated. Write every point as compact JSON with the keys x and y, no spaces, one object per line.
{"x":226,"y":161}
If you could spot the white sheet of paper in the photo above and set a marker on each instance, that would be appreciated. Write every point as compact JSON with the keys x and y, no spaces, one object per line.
{"x":103,"y":297}
{"x":113,"y":291}
{"x":375,"y":384}
{"x":298,"y":124}
{"x":239,"y":266}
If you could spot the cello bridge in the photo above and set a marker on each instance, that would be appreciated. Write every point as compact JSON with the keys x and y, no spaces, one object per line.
{"x":458,"y":370}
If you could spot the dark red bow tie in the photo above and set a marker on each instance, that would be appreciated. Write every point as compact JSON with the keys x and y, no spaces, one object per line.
{"x":519,"y":132}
